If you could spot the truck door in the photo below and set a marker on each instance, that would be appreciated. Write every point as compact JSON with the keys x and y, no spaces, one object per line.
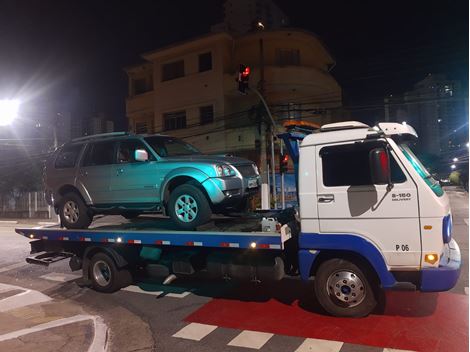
{"x":95,"y":170}
{"x":349,"y":203}
{"x":134,"y":181}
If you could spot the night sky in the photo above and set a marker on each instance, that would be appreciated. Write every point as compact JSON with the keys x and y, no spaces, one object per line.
{"x":51,"y":48}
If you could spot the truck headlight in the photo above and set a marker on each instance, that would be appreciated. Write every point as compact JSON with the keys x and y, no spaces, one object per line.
{"x":225,"y":170}
{"x":447,"y":228}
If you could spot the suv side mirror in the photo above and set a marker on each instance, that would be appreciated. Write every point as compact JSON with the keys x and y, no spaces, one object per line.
{"x":141,"y":155}
{"x":379,"y":162}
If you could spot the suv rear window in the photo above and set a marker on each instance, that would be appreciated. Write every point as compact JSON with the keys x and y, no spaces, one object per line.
{"x":101,"y":153}
{"x":68,"y":156}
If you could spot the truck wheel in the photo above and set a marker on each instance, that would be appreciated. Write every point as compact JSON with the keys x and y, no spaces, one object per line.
{"x":188,"y":207}
{"x":105,"y":276}
{"x":343,"y":289}
{"x":73,"y":212}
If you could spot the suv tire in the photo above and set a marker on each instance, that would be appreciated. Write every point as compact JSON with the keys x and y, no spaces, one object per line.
{"x":73,"y":212}
{"x":188,"y":207}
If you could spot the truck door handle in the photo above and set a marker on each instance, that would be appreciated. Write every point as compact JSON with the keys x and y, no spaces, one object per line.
{"x":84,"y":173}
{"x":119,"y":171}
{"x":326,"y":198}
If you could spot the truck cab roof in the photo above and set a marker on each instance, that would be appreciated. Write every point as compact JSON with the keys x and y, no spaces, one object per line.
{"x":355,"y":130}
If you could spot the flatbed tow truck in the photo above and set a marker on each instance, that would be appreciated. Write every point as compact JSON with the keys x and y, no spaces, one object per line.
{"x":369,"y":218}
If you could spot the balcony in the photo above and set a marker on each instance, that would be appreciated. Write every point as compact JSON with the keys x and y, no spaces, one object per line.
{"x":140,"y":103}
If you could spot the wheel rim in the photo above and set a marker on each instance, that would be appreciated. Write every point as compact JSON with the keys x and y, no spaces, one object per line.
{"x":347,"y":288}
{"x":186,"y":208}
{"x":102,"y":273}
{"x":71,"y":211}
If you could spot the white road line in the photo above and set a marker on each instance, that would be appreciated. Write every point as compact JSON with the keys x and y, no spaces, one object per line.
{"x":251,"y":339}
{"x":8,"y":222}
{"x":319,"y":346}
{"x":395,"y":350}
{"x":25,"y":298}
{"x":12,"y":266}
{"x":137,"y":289}
{"x":195,"y":331}
{"x":100,"y":340}
{"x":47,"y":223}
{"x":178,"y":295}
{"x":466,"y":221}
{"x":466,"y":290}
{"x":60,"y":277}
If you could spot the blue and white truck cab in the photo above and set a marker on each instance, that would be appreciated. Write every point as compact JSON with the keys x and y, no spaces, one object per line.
{"x":370,"y":217}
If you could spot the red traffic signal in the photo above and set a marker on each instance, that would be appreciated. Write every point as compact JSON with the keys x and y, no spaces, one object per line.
{"x":283,"y":163}
{"x":243,"y":77}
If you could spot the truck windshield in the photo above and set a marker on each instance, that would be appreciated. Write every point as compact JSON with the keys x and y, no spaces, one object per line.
{"x":169,"y":146}
{"x":421,"y":170}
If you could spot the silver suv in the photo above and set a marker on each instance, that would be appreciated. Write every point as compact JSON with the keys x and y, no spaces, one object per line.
{"x":126,"y":174}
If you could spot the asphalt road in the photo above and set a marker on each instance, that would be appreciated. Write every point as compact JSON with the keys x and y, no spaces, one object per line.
{"x":44,"y":309}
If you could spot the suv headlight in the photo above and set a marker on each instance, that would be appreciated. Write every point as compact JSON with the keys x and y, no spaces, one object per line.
{"x":224,"y":170}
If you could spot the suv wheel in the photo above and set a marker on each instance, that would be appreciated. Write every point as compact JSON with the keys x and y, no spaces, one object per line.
{"x":73,"y":212}
{"x":188,"y":207}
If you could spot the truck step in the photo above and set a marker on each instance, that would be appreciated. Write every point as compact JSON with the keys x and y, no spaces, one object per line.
{"x":46,"y":258}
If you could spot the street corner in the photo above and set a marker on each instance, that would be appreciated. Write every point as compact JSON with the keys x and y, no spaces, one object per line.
{"x":410,"y":321}
{"x":31,"y":320}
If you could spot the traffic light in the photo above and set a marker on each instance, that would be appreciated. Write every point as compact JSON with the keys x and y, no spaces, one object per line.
{"x":283,"y":163}
{"x":243,"y":77}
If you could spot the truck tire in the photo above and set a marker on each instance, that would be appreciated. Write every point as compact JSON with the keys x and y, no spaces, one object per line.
{"x":105,"y":276}
{"x":73,"y":212}
{"x":344,"y":290}
{"x":188,"y":207}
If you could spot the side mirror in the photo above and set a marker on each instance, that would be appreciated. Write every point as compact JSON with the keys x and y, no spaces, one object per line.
{"x":141,"y":155}
{"x":379,"y":162}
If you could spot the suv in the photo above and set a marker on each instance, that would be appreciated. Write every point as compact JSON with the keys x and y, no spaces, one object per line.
{"x":126,"y":174}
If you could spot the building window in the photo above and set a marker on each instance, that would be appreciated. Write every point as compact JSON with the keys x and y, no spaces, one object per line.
{"x":205,"y":62}
{"x":348,"y":165}
{"x":174,"y":120}
{"x":206,"y":114}
{"x":141,"y":127}
{"x":172,"y":70}
{"x":288,"y":57}
{"x":142,"y":85}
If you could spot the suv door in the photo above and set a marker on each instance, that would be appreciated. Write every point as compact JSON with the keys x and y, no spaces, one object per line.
{"x":134,"y":181}
{"x":95,"y":170}
{"x":349,"y":203}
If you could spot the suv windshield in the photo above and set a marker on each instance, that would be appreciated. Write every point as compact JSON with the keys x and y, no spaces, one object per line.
{"x":169,"y":146}
{"x":421,"y":170}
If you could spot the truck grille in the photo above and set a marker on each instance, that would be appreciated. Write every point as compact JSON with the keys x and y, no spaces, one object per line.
{"x":247,"y":170}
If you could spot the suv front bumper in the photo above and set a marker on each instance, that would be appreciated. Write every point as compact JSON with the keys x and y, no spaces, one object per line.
{"x":223,"y":189}
{"x":445,"y":276}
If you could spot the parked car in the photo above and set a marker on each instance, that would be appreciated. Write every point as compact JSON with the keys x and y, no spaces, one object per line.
{"x":127,"y":174}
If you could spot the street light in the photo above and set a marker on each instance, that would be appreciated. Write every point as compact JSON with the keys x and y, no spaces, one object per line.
{"x":453,"y":166}
{"x":8,"y":111}
{"x":455,"y":160}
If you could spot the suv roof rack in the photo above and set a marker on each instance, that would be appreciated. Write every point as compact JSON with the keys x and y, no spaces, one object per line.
{"x":100,"y":135}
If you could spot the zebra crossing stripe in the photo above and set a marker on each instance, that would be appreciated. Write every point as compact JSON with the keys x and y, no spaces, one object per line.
{"x":251,"y":339}
{"x":319,"y":345}
{"x":195,"y":331}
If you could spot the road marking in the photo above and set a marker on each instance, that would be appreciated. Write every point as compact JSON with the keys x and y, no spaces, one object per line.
{"x":319,"y":345}
{"x":12,"y":266}
{"x":60,"y":277}
{"x":47,"y":223}
{"x":466,"y":221}
{"x":251,"y":339}
{"x":100,"y":339}
{"x":8,"y":222}
{"x":466,"y":290}
{"x":178,"y":295}
{"x":137,"y":289}
{"x":195,"y":331}
{"x":25,"y":298}
{"x":395,"y":350}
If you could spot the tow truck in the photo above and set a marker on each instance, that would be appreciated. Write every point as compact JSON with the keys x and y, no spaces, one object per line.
{"x":369,"y":218}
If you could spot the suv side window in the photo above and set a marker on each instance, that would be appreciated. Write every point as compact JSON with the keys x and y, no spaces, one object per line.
{"x":101,"y":153}
{"x":348,"y":165}
{"x":68,"y":156}
{"x":127,"y":148}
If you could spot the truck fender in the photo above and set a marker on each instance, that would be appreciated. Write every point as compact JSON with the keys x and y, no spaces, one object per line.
{"x":188,"y":172}
{"x":311,"y":244}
